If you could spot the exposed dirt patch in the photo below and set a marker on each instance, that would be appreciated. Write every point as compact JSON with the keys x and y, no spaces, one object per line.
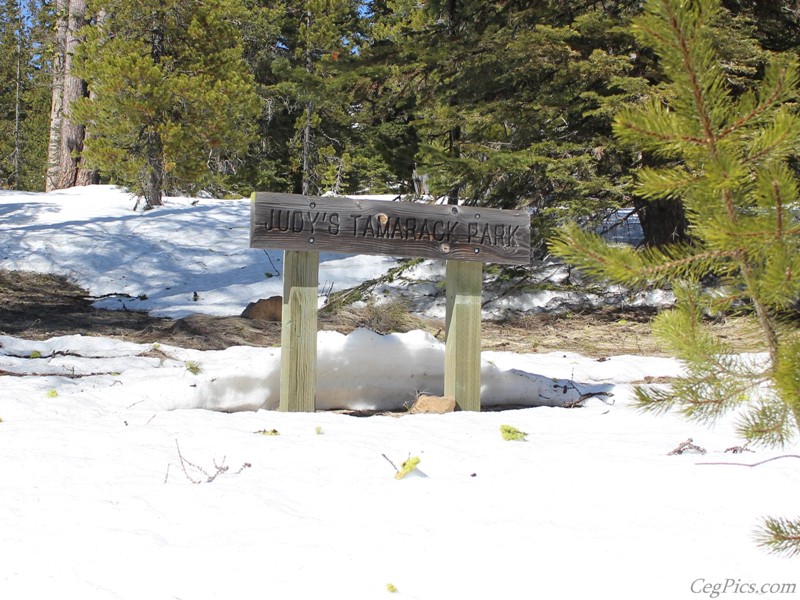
{"x":39,"y":306}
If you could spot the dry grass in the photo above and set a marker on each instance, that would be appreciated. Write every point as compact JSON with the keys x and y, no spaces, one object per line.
{"x":38,"y":306}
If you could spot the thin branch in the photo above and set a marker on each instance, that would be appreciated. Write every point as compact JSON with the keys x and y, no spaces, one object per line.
{"x":219,"y":468}
{"x":390,"y":462}
{"x":750,"y":464}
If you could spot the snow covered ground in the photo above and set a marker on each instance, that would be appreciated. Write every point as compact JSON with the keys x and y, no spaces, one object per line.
{"x":118,"y":482}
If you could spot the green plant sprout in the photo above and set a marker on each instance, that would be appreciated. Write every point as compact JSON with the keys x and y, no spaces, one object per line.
{"x":52,"y":393}
{"x":510,"y":433}
{"x":408,"y":465}
{"x":267,"y":432}
{"x":36,"y":354}
{"x":193,"y":367}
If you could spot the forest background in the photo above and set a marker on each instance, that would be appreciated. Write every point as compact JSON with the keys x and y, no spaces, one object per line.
{"x":504,"y":104}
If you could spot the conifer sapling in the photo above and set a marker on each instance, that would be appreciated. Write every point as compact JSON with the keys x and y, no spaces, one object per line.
{"x":731,"y":166}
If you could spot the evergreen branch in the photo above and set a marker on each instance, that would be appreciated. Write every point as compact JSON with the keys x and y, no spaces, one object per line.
{"x":763,"y":234}
{"x":663,"y":136}
{"x":686,"y":55}
{"x":766,"y":151}
{"x":679,"y":264}
{"x":769,"y":424}
{"x":707,"y":398}
{"x":780,"y":536}
{"x":636,"y":268}
{"x":757,"y":111}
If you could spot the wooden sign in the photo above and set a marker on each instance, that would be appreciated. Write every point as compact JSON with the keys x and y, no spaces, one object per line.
{"x":354,"y":226}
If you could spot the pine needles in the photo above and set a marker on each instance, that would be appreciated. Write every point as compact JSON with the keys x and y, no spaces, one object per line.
{"x":727,"y":155}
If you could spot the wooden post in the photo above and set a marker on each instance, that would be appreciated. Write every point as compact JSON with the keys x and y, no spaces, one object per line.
{"x":465,"y":236}
{"x":462,"y":363}
{"x":299,"y":331}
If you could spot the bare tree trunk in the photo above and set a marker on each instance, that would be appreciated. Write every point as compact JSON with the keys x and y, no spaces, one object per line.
{"x":74,"y":88}
{"x":154,"y":186}
{"x":57,"y":102}
{"x":308,"y":140}
{"x":308,"y":176}
{"x":153,"y":180}
{"x":86,"y":176}
{"x":89,"y":176}
{"x":17,"y":105}
{"x":66,"y":137}
{"x":663,"y":221}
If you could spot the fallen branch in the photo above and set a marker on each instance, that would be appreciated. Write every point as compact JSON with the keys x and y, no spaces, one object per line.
{"x":732,"y":464}
{"x":73,"y":375}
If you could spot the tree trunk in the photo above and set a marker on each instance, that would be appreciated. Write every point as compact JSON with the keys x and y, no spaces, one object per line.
{"x":17,"y":106}
{"x":663,"y":221}
{"x":455,"y":152}
{"x":74,"y":88}
{"x":308,"y":140}
{"x":57,"y":100}
{"x":86,"y":176}
{"x":66,"y":137}
{"x":154,"y":186}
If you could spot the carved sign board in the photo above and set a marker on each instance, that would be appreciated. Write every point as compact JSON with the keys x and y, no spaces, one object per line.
{"x":354,"y":226}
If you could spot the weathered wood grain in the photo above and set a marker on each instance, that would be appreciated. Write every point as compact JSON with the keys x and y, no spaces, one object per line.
{"x":299,"y":332}
{"x":462,"y":359}
{"x":354,"y":226}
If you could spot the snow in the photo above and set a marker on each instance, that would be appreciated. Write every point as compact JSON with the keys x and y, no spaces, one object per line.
{"x":97,"y":505}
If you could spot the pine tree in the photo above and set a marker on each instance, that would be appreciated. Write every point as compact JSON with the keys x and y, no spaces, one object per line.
{"x":732,"y":156}
{"x":509,"y":101}
{"x":24,"y":95}
{"x":13,"y":67}
{"x":300,"y":51}
{"x":36,"y":97}
{"x":172,"y":103}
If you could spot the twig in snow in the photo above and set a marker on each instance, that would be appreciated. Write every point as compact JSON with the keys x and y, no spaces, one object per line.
{"x":583,"y":396}
{"x":687,"y":447}
{"x":219,"y":468}
{"x":391,"y":463}
{"x":761,"y":462}
{"x":738,"y":449}
{"x":272,"y":264}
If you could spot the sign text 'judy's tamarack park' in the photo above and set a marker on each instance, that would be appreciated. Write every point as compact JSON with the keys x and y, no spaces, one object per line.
{"x":354,"y":226}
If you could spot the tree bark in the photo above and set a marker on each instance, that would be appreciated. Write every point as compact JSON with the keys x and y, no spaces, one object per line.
{"x":57,"y":100}
{"x":72,"y":134}
{"x":66,"y":138}
{"x":663,"y":221}
{"x":154,"y":186}
{"x":18,"y":104}
{"x":308,"y":141}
